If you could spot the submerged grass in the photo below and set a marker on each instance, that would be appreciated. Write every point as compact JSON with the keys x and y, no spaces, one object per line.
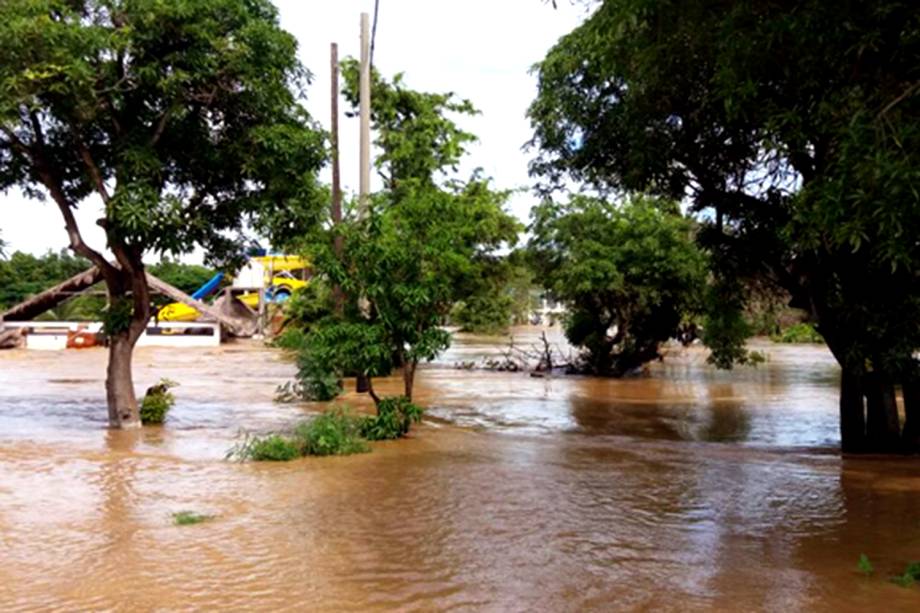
{"x":188,"y":518}
{"x":909,"y":577}
{"x":865,"y":565}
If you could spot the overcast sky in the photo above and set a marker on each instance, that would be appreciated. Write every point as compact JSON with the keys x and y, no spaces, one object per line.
{"x":480,"y":49}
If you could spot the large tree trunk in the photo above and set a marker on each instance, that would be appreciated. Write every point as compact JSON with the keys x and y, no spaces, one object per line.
{"x":883,"y":427}
{"x":911,"y":433}
{"x":119,"y":384}
{"x":633,"y":358}
{"x":122,"y":403}
{"x":852,"y":413}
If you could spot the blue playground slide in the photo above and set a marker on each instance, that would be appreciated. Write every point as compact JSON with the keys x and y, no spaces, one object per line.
{"x":208,"y":287}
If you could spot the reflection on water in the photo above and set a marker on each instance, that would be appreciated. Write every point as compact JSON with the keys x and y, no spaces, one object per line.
{"x":682,"y":489}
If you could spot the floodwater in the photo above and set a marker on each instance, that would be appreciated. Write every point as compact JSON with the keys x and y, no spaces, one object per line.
{"x":682,"y":489}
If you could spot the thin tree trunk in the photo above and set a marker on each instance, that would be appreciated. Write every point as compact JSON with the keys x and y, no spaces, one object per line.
{"x":852,"y":413}
{"x":409,"y":378}
{"x":911,"y":434}
{"x":883,"y":428}
{"x":370,"y":390}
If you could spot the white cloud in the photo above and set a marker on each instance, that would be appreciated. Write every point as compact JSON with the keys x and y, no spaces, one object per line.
{"x":480,"y":49}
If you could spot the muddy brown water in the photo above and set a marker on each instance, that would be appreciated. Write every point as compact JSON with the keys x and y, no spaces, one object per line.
{"x":684,"y":489}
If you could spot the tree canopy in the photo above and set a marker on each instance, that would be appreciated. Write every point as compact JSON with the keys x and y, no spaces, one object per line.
{"x":794,"y":130}
{"x":629,"y":275}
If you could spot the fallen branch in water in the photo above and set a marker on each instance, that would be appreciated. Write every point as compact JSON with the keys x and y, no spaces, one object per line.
{"x":544,"y":357}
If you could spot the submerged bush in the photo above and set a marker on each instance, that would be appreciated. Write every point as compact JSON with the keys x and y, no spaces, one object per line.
{"x":317,"y":380}
{"x":335,"y":432}
{"x":799,"y":333}
{"x":157,"y":402}
{"x":270,"y":448}
{"x":395,"y":415}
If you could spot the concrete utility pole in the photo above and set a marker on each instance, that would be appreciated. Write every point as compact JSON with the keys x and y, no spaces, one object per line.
{"x":364,"y":184}
{"x":338,"y":295}
{"x":362,"y":383}
{"x":336,"y":174}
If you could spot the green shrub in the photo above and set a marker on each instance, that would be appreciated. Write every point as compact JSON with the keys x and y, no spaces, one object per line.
{"x":316,"y":379}
{"x":799,"y":333}
{"x":292,"y":338}
{"x":271,"y":448}
{"x":335,"y":432}
{"x":188,"y":518}
{"x":394,"y":417}
{"x":157,"y":402}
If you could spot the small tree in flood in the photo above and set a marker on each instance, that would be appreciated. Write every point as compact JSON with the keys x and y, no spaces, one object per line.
{"x":427,"y":238}
{"x":178,"y":115}
{"x":629,"y":275}
{"x":410,"y":261}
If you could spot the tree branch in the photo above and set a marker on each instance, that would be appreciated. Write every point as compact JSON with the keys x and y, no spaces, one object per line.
{"x":160,"y":126}
{"x":52,"y":182}
{"x":370,"y":390}
{"x":904,"y":95}
{"x":16,"y":143}
{"x":94,"y":171}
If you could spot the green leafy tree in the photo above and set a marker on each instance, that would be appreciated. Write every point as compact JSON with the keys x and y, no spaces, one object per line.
{"x":489,"y":312}
{"x":794,"y":128}
{"x":181,"y":116}
{"x":629,"y":275}
{"x":410,"y":260}
{"x":426,"y":240}
{"x":488,"y":303}
{"x":505,"y":293}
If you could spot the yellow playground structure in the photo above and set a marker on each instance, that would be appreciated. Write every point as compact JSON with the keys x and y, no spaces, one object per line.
{"x":274,"y":276}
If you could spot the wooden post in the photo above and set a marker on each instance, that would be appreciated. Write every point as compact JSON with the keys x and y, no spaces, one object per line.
{"x":365,"y":111}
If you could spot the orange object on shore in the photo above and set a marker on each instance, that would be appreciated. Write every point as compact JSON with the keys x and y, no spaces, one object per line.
{"x":81,"y":339}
